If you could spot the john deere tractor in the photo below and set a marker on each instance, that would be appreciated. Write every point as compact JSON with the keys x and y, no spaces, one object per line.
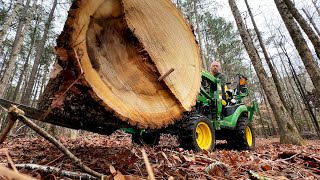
{"x":212,"y":118}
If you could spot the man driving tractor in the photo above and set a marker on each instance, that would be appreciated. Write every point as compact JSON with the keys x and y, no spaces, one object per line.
{"x":216,"y":71}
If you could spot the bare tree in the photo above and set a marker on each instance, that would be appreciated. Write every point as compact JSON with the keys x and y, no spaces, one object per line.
{"x":26,"y":97}
{"x":288,"y":131}
{"x":315,"y":6}
{"x":195,"y":8}
{"x":18,"y":6}
{"x":302,"y":93}
{"x":270,"y":113}
{"x":300,"y":44}
{"x":305,"y":26}
{"x":23,"y":27}
{"x":23,"y":74}
{"x":268,"y":60}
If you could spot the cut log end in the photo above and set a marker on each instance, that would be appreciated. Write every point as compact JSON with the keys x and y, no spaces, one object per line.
{"x":127,"y":46}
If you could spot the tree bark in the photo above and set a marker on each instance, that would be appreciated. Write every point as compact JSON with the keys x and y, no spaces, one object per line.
{"x":315,"y":40}
{"x":288,"y":132}
{"x":26,"y":97}
{"x":300,"y":44}
{"x":111,"y":54}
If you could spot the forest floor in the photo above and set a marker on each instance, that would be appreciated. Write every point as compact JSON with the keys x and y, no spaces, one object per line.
{"x":116,"y":155}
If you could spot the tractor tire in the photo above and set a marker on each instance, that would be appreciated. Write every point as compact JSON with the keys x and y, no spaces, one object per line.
{"x":146,"y":139}
{"x":197,"y":133}
{"x":243,"y":138}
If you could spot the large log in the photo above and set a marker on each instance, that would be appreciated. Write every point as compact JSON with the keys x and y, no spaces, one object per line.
{"x":118,"y":50}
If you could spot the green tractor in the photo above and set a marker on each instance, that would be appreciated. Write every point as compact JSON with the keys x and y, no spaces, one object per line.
{"x":212,"y":118}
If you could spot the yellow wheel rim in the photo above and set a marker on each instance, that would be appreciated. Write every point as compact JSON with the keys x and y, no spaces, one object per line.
{"x":204,"y":136}
{"x":249,"y":136}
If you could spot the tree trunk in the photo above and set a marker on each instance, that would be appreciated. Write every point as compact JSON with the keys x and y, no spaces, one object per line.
{"x":300,"y":44}
{"x":196,"y":14}
{"x":303,"y":95}
{"x":25,"y":66}
{"x":23,"y":71}
{"x":26,"y":97}
{"x":3,"y":64}
{"x":272,"y":118}
{"x":305,"y":26}
{"x":289,"y":101}
{"x":5,"y":26}
{"x":44,"y":79}
{"x":260,"y":120}
{"x":115,"y":52}
{"x":35,"y":89}
{"x":293,"y":89}
{"x":22,"y":29}
{"x":311,"y":21}
{"x":288,"y":132}
{"x":268,"y":60}
{"x":264,"y":132}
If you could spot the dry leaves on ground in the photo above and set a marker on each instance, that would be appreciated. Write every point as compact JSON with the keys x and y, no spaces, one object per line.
{"x":116,"y":155}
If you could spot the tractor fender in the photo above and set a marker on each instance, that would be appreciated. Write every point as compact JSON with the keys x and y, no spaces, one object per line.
{"x":231,"y":120}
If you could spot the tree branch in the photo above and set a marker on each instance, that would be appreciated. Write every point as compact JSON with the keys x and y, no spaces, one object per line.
{"x":15,"y":113}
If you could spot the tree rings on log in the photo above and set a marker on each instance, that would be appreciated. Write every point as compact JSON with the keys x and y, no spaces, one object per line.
{"x":120,"y":48}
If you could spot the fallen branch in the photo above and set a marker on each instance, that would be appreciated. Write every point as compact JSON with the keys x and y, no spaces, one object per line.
{"x":290,"y":154}
{"x":58,"y":171}
{"x":51,"y":139}
{"x":5,"y":151}
{"x":8,"y":173}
